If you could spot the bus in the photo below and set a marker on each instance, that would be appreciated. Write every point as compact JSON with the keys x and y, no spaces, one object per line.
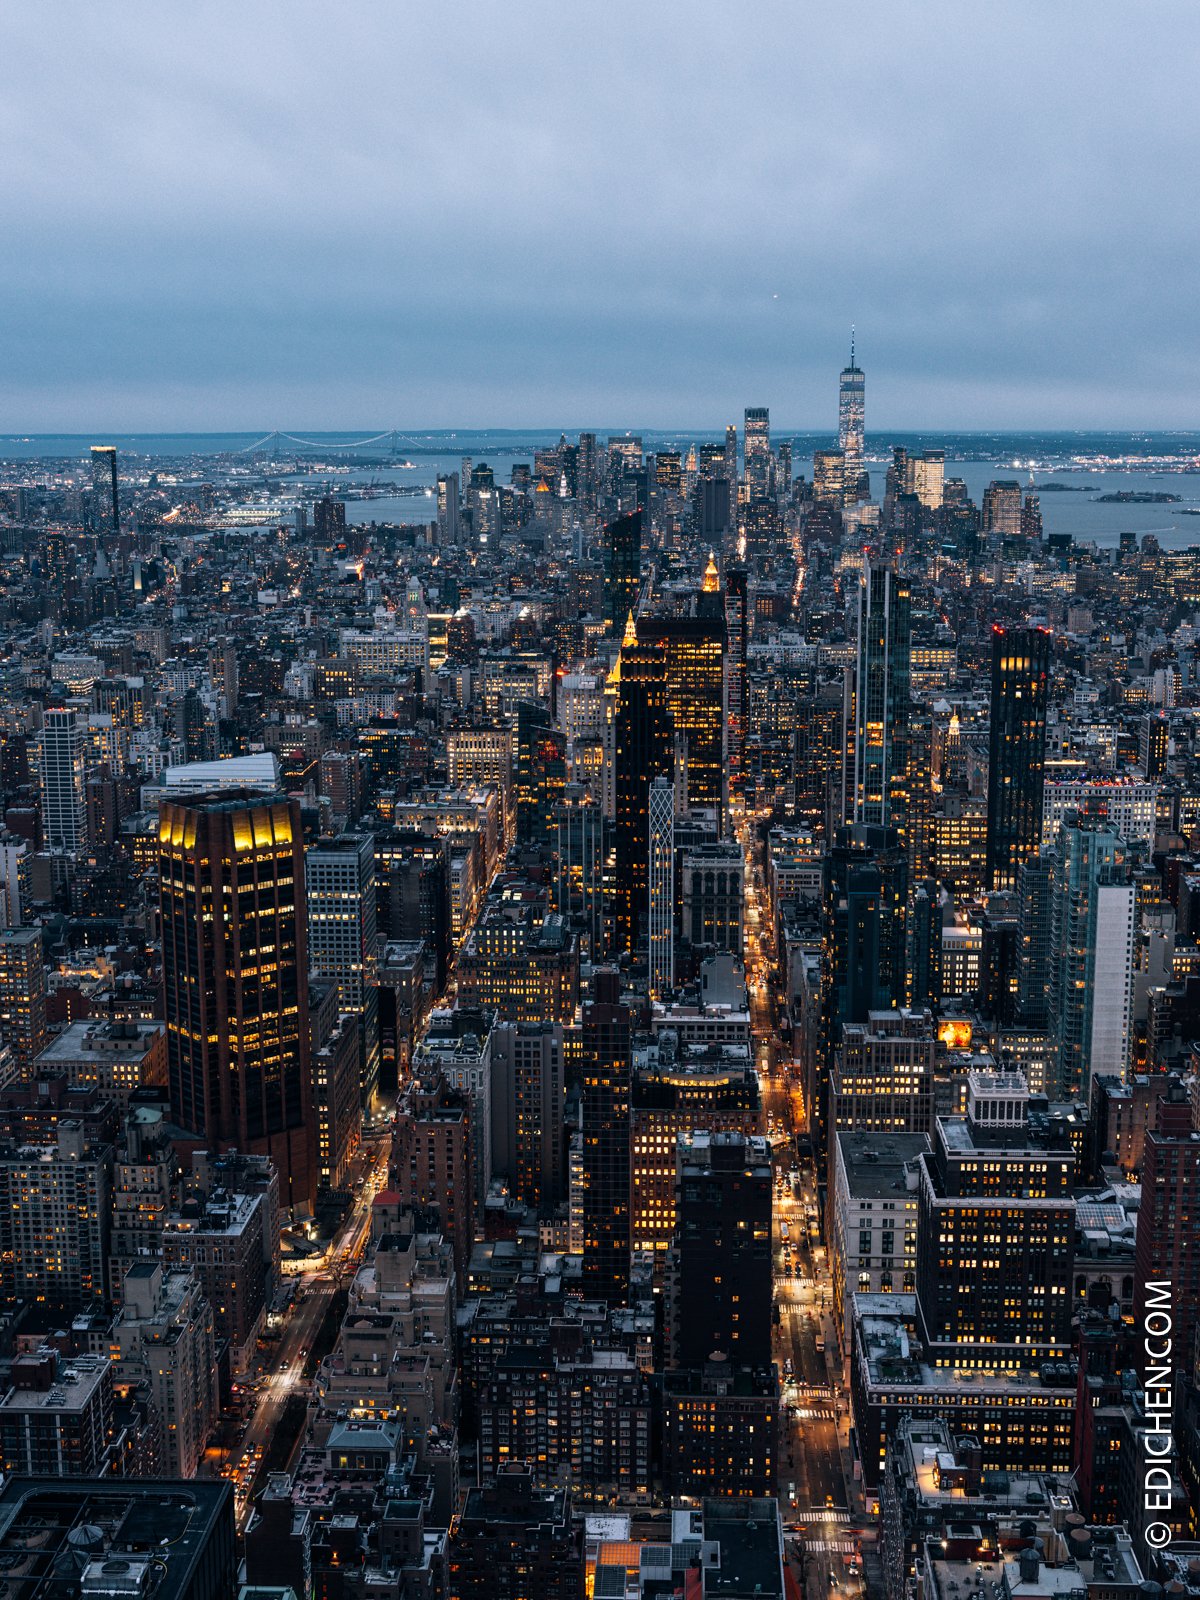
{"x":783,"y":1230}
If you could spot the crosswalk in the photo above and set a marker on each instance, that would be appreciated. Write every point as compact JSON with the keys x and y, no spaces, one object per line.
{"x":827,"y":1547}
{"x":819,"y":1514}
{"x":812,"y":1413}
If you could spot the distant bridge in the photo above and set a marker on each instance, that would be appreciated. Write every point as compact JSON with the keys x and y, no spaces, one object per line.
{"x":271,"y":443}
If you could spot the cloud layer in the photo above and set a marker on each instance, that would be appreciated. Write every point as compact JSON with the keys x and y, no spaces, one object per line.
{"x":384,"y":213}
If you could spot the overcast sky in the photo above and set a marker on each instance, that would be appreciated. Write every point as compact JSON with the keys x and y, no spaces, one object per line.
{"x":376,"y":213}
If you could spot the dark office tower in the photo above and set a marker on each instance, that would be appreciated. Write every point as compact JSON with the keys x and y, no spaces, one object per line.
{"x":731,"y":454}
{"x":606,"y":1071}
{"x":329,"y":522}
{"x":412,"y":885}
{"x":756,"y":449}
{"x":720,"y":1269}
{"x":924,"y":973}
{"x":896,"y":484}
{"x":737,"y":637}
{"x":622,"y":568}
{"x":645,"y":750}
{"x":713,"y":514}
{"x":1167,"y":1254}
{"x":865,"y":893}
{"x":1016,"y":750}
{"x":516,"y":1541}
{"x":106,"y":511}
{"x":1034,"y":954}
{"x":879,"y":789}
{"x":818,"y":754}
{"x":541,"y":774}
{"x":694,"y":648}
{"x":852,"y":401}
{"x":1153,"y":743}
{"x":235,"y":979}
{"x":587,"y":468}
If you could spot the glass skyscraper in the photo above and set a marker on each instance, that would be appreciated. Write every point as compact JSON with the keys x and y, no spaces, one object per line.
{"x":1016,"y":750}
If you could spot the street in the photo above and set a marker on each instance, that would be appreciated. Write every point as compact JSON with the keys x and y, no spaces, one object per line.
{"x":815,"y":1477}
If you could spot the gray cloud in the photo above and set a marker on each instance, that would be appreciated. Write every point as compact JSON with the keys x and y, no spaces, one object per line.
{"x":375,"y":213}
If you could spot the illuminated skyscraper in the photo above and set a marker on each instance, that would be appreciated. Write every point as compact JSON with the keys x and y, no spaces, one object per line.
{"x":756,"y":449}
{"x":737,"y":636}
{"x":832,"y":482}
{"x":694,"y":649}
{"x":852,"y":393}
{"x":235,"y":979}
{"x":1017,"y":750}
{"x":661,"y":909}
{"x":106,"y":511}
{"x":881,"y":697}
{"x":622,"y":568}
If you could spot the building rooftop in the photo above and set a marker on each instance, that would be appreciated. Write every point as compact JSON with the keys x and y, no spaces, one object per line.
{"x":60,"y":1538}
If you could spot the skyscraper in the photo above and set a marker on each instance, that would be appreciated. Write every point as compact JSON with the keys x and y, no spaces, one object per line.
{"x":1168,"y":1238}
{"x":106,"y":511}
{"x":645,"y":750}
{"x":865,"y":893}
{"x":756,"y":449}
{"x":830,"y":479}
{"x":448,"y":515}
{"x":852,"y":399}
{"x":343,"y":937}
{"x":1016,"y":750}
{"x":1091,"y":965}
{"x":235,"y":978}
{"x":881,"y":697}
{"x":541,"y":773}
{"x":737,"y":642}
{"x":661,"y":907}
{"x":622,"y":568}
{"x":62,"y":770}
{"x":694,"y":652}
{"x":721,"y":1256}
{"x":606,"y":1073}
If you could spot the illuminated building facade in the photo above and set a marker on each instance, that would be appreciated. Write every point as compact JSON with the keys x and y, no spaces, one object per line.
{"x":995,"y":1235}
{"x":852,"y":406}
{"x":694,"y":652}
{"x":106,"y":510}
{"x":235,"y":979}
{"x":714,"y":1089}
{"x":1016,"y":750}
{"x":756,"y":450}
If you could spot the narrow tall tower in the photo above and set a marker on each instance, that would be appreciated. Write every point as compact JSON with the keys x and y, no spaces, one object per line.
{"x":881,"y":697}
{"x":661,"y":873}
{"x":851,"y":418}
{"x":1017,"y":750}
